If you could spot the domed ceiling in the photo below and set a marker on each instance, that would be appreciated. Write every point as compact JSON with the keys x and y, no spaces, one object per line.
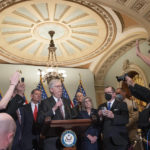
{"x":81,"y":32}
{"x":85,"y":31}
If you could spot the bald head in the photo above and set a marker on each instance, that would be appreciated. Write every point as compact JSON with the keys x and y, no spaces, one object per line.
{"x":7,"y":130}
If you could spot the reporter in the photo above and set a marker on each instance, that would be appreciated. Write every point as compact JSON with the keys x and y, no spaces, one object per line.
{"x":13,"y":82}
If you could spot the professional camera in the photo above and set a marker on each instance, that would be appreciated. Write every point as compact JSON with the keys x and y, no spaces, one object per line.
{"x":121,"y":78}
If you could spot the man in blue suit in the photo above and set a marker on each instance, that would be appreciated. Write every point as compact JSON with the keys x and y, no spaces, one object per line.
{"x":115,"y":118}
{"x":29,"y":125}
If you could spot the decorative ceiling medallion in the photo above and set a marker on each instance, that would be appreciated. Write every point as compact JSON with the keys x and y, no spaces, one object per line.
{"x":83,"y":30}
{"x":42,"y":29}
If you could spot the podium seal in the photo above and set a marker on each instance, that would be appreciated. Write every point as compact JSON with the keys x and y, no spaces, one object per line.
{"x":68,"y":138}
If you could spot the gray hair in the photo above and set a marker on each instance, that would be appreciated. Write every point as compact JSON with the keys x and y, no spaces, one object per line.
{"x":52,"y":82}
{"x":83,"y":102}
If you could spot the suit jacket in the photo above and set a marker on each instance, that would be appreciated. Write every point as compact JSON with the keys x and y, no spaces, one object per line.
{"x":30,"y":129}
{"x":115,"y":128}
{"x":140,"y":92}
{"x":143,"y":121}
{"x":45,"y":110}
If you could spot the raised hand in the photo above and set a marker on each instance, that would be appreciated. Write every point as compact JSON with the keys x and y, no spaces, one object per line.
{"x":129,"y":81}
{"x":138,"y":52}
{"x":58,"y":104}
{"x":15,"y":78}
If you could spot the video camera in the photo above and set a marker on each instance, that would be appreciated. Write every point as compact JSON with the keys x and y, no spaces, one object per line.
{"x":121,"y":78}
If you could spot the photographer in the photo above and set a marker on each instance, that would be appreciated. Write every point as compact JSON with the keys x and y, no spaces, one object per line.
{"x":137,"y":90}
{"x":14,"y":110}
{"x":13,"y":82}
{"x":17,"y":100}
{"x":143,"y":94}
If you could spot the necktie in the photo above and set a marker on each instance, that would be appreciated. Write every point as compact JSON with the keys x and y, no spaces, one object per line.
{"x":61,"y":110}
{"x":35,"y":112}
{"x":109,"y":106}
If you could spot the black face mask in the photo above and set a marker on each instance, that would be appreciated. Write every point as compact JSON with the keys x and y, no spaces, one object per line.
{"x":108,"y":96}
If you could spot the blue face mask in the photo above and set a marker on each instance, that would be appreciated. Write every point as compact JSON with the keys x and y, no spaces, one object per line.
{"x":119,"y":97}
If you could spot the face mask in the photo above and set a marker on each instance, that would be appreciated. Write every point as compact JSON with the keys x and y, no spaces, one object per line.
{"x":108,"y":96}
{"x":119,"y":97}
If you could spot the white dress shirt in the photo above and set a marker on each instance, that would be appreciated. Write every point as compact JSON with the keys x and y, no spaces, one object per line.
{"x":63,"y":109}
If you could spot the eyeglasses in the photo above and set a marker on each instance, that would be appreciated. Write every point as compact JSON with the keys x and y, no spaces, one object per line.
{"x":58,"y":86}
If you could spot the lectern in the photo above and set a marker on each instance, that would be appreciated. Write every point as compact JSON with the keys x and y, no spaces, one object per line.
{"x":70,"y":126}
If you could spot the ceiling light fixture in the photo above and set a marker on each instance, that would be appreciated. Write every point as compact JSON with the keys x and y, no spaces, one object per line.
{"x":52,"y":65}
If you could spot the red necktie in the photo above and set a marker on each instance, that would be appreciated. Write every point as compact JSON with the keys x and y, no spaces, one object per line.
{"x":35,"y":112}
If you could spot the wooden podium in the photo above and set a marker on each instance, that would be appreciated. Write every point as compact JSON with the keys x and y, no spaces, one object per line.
{"x":76,"y":125}
{"x":69,"y":124}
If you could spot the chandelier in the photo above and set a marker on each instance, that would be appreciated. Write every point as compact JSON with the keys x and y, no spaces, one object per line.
{"x":52,"y":64}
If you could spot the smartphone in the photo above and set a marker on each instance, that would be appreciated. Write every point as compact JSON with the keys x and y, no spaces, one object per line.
{"x":22,"y":79}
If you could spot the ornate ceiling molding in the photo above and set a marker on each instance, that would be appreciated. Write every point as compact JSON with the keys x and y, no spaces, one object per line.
{"x":110,"y":59}
{"x":6,"y":3}
{"x":76,"y":41}
{"x":138,"y":9}
{"x":128,"y":66}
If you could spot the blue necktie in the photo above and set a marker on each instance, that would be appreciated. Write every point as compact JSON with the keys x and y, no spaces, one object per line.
{"x":109,"y":106}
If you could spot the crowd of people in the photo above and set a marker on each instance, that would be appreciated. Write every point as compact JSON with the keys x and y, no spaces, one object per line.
{"x":24,"y":126}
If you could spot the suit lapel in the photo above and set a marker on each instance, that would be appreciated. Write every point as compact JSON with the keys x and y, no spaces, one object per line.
{"x":114,"y":105}
{"x":52,"y":101}
{"x":104,"y":105}
{"x":30,"y":110}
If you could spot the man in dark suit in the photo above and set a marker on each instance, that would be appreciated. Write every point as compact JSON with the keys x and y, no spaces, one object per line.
{"x":114,"y":117}
{"x":29,"y":125}
{"x":56,"y":108}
